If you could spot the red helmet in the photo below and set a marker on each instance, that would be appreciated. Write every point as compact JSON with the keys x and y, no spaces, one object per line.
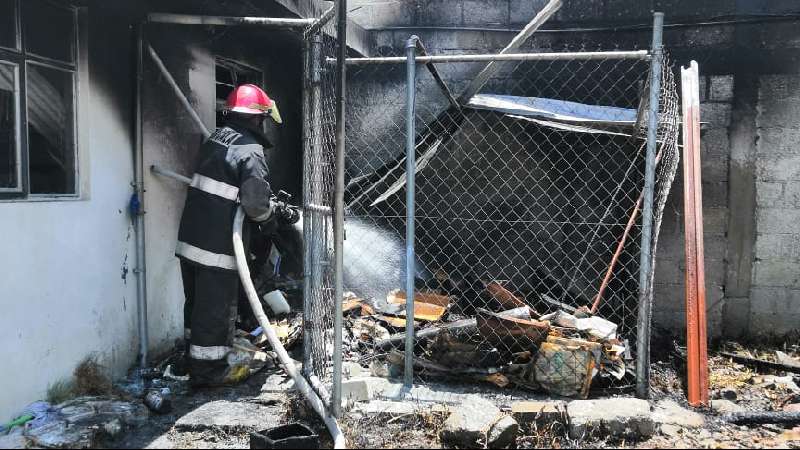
{"x":251,"y":99}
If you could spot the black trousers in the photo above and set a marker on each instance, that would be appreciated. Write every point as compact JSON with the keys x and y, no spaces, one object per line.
{"x":209,"y":316}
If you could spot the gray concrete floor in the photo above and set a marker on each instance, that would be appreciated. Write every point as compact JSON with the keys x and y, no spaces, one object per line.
{"x":216,"y":418}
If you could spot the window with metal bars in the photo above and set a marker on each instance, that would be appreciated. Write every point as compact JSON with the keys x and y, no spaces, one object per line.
{"x":230,"y":74}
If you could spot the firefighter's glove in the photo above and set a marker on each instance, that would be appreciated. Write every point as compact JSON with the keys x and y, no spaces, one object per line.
{"x":286,"y":213}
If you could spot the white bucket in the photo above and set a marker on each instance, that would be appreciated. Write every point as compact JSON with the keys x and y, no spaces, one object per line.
{"x":277,"y":302}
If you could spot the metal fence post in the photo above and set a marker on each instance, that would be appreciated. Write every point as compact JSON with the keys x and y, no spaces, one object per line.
{"x":411,"y":76}
{"x":307,"y":260}
{"x":338,"y":228}
{"x":645,"y":288}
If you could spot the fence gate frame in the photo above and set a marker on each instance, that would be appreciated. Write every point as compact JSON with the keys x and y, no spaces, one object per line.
{"x":323,"y":148}
{"x":313,"y":32}
{"x":415,"y":55}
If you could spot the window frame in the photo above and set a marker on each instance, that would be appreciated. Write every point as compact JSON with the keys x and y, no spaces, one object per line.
{"x":73,"y":50}
{"x":18,"y":123}
{"x":236,"y":66}
{"x":18,"y":28}
{"x":21,"y":58}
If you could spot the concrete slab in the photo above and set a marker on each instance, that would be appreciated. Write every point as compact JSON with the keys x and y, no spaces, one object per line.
{"x":668,"y":412}
{"x":227,"y":415}
{"x":423,"y":394}
{"x":363,"y":389}
{"x":627,"y":418}
{"x":469,"y":423}
{"x":390,"y":409}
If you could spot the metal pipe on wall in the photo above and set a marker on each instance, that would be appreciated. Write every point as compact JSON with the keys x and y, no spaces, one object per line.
{"x":548,"y":56}
{"x":177,"y":91}
{"x":170,"y":174}
{"x":411,"y":163}
{"x":189,"y":19}
{"x":645,"y":268}
{"x":138,"y":186}
{"x":338,"y":225}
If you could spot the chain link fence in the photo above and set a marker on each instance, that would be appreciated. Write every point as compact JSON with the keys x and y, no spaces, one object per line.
{"x":319,"y":146}
{"x":528,"y":221}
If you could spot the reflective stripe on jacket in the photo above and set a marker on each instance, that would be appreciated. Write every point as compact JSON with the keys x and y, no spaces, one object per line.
{"x":231,"y":169}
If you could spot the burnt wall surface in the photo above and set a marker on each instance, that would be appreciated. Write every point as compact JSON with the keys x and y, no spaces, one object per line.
{"x":748,"y":53}
{"x":172,"y":139}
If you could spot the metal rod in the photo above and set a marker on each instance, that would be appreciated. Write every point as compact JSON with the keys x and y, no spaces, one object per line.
{"x":491,"y":68}
{"x":170,"y":174}
{"x":411,"y":162}
{"x":307,"y":297}
{"x":645,"y":268}
{"x":321,"y":22}
{"x":550,"y":56}
{"x":189,"y":19}
{"x":139,"y":224}
{"x":341,"y":79}
{"x":597,"y":230}
{"x":178,"y":92}
{"x":620,"y":246}
{"x":438,"y":77}
{"x":696,"y":334}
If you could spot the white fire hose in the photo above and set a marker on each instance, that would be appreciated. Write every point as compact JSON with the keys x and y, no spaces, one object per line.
{"x":288,"y":364}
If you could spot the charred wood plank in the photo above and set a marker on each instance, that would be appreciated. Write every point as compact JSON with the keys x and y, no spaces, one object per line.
{"x":760,"y":363}
{"x":460,"y":327}
{"x":763,"y":417}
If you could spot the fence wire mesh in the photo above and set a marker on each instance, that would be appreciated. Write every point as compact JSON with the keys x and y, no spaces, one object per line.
{"x":319,"y":134}
{"x":528,"y":225}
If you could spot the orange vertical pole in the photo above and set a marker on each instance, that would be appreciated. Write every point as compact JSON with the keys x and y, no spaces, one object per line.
{"x":696,"y":327}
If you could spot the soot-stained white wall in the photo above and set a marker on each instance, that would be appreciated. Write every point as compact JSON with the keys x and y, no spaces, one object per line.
{"x":65,"y":281}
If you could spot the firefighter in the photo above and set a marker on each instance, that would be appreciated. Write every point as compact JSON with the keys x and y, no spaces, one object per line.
{"x":231,"y":170}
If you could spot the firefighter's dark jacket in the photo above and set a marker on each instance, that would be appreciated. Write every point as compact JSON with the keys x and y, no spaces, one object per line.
{"x":231,"y":170}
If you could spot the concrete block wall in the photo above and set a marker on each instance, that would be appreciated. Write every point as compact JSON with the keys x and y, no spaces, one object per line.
{"x":716,"y":95}
{"x":513,"y":13}
{"x":750,"y":160}
{"x":775,"y":292}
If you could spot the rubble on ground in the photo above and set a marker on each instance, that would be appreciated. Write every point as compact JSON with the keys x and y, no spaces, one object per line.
{"x":82,"y":422}
{"x":506,"y":343}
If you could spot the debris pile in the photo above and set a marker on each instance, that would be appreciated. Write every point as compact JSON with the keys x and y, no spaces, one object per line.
{"x":504,"y":341}
{"x":78,"y":423}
